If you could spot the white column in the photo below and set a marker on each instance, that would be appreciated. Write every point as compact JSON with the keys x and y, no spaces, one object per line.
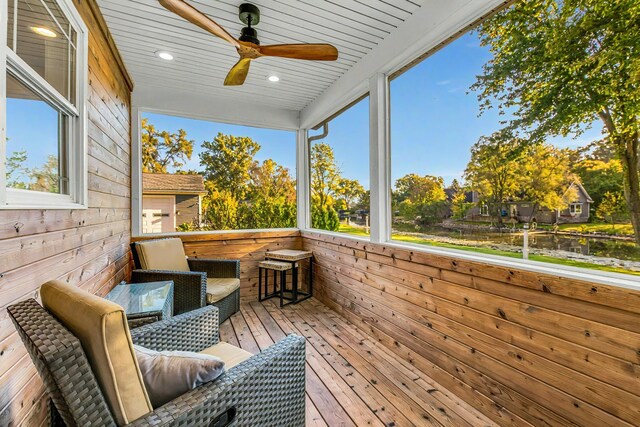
{"x":379,"y":158}
{"x":136,"y":171}
{"x":302,"y":180}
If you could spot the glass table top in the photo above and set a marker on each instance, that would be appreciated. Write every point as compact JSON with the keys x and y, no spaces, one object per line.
{"x":141,"y":297}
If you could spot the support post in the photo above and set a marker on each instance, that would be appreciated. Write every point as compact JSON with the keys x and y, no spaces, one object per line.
{"x":379,"y":159}
{"x":303,"y":185}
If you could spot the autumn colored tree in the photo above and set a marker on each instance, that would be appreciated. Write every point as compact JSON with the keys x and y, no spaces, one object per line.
{"x":349,"y":191}
{"x":558,"y":65}
{"x":162,"y":150}
{"x":325,"y":174}
{"x":493,"y":170}
{"x":546,"y":178}
{"x":612,"y":208}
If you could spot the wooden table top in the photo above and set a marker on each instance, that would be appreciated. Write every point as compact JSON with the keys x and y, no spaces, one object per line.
{"x":289,"y":255}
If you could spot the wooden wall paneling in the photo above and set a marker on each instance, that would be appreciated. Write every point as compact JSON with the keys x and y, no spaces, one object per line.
{"x":88,"y":247}
{"x":546,"y":349}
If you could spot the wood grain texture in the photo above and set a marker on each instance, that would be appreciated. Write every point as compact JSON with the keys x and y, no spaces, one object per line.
{"x":351,"y":379}
{"x":89,"y":248}
{"x":247,"y":246}
{"x":523,"y":348}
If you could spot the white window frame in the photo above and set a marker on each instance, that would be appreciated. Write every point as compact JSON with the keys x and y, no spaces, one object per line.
{"x":575,"y":209}
{"x":375,"y":80}
{"x":77,"y":116}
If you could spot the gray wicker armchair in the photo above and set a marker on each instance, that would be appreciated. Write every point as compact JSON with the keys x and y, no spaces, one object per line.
{"x":205,"y":281}
{"x":264,"y":390}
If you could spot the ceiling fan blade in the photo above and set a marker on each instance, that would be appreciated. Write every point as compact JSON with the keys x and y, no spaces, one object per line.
{"x":315,"y":52}
{"x":193,"y":15}
{"x":238,"y":74}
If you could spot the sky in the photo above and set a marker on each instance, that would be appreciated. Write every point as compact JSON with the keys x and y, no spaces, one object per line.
{"x":434,"y":122}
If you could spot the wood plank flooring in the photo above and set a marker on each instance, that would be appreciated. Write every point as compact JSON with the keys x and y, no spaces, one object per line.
{"x":351,"y":379}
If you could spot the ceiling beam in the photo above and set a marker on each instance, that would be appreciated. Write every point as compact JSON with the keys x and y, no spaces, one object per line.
{"x":176,"y":102}
{"x":433,"y":23}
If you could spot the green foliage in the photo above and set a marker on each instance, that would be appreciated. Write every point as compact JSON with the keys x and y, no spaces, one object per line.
{"x":163,"y":150}
{"x":612,"y":208}
{"x":324,"y":218}
{"x":227,"y":161}
{"x":325,"y":175}
{"x":16,"y":173}
{"x":493,"y":170}
{"x":600,"y":177}
{"x":546,"y":178}
{"x":349,"y":191}
{"x":46,"y":178}
{"x":459,"y":205}
{"x":243,"y":193}
{"x":560,"y":64}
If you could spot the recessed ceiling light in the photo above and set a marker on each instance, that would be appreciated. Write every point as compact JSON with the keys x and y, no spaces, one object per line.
{"x":164,"y":55}
{"x":42,"y":31}
{"x":274,"y":78}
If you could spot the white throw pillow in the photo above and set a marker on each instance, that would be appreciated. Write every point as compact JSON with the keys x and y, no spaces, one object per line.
{"x":169,"y":374}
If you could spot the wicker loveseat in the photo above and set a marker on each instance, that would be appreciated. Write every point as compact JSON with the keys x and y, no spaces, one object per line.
{"x":266,"y":389}
{"x":196,"y":281}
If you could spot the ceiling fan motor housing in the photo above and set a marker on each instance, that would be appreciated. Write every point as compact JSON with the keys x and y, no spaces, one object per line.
{"x":249,"y":15}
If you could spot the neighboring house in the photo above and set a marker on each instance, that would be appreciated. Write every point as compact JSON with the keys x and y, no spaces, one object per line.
{"x":169,"y":200}
{"x":578,"y":210}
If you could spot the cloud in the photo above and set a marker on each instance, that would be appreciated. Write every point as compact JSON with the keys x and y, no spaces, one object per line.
{"x":443,"y":82}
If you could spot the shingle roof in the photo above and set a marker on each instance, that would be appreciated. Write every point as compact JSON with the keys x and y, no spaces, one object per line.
{"x":167,"y":183}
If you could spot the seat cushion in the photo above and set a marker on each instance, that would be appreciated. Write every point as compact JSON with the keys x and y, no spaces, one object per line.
{"x":162,"y":254}
{"x":220,"y":288}
{"x":230,"y":354}
{"x":169,"y":374}
{"x":101,"y":326}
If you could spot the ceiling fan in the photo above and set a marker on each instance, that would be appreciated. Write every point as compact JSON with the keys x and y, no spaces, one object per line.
{"x":248,"y":45}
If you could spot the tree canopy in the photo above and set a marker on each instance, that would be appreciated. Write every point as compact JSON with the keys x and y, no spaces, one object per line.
{"x":558,"y":66}
{"x":162,"y":150}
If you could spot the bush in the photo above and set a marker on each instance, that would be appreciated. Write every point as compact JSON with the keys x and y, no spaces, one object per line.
{"x":324,"y":218}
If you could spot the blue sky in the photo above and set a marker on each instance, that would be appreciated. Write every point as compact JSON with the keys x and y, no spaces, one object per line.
{"x":434,"y":122}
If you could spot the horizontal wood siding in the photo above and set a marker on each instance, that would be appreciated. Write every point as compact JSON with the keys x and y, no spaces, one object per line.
{"x":247,"y":246}
{"x":524,"y":348}
{"x":89,"y":248}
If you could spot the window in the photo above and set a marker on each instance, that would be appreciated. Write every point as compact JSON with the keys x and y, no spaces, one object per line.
{"x":204,"y":176}
{"x":43,"y":147}
{"x":339,"y":169}
{"x":465,"y":181}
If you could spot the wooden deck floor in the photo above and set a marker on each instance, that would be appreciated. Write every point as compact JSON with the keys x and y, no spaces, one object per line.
{"x":351,"y":379}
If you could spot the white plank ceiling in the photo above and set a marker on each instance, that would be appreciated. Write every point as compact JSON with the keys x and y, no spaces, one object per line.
{"x":355,"y":27}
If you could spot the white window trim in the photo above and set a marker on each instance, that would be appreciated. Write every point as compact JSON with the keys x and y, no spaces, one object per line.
{"x":77,"y":153}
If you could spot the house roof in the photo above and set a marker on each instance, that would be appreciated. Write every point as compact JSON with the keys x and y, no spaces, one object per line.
{"x":167,"y":183}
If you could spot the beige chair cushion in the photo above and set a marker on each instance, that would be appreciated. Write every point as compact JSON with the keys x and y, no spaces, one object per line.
{"x":163,"y":254}
{"x":220,"y":288}
{"x":230,"y":354}
{"x":101,"y":327}
{"x":169,"y":374}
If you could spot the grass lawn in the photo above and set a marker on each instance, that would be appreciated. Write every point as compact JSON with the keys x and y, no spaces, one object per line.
{"x":421,"y":241}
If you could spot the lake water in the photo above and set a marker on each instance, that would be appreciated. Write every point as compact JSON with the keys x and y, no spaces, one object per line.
{"x":609,"y":248}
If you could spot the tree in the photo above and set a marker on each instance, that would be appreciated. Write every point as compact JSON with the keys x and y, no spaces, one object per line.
{"x":46,"y":178}
{"x":558,"y":65}
{"x":324,"y":218}
{"x":349,"y":191}
{"x":546,"y":178}
{"x":612,"y":208}
{"x":459,"y":204}
{"x":226,"y":161}
{"x":493,"y":170}
{"x":420,"y":189}
{"x":163,"y":150}
{"x":16,"y":173}
{"x":325,"y":174}
{"x":271,"y":182}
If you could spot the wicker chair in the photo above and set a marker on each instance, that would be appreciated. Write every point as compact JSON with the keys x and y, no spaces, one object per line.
{"x":264,"y":390}
{"x":190,"y":287}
